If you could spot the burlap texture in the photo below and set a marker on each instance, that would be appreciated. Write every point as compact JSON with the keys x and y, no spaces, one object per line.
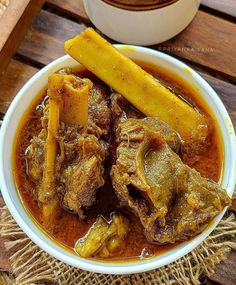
{"x":5,"y":279}
{"x":31,"y":265}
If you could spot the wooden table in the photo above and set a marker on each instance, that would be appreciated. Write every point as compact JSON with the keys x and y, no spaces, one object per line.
{"x":208,"y":45}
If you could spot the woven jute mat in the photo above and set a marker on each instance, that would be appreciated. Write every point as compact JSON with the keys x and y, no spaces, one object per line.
{"x":31,"y":265}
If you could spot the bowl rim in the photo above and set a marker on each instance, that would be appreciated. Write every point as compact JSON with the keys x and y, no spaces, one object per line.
{"x":149,"y":7}
{"x":137,"y":12}
{"x":98,"y":266}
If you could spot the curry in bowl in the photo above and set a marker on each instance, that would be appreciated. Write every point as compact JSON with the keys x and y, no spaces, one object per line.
{"x":115,"y":174}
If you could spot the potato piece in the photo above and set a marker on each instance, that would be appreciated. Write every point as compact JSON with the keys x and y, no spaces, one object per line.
{"x":122,"y":228}
{"x":135,"y":84}
{"x":103,"y":238}
{"x":95,"y":238}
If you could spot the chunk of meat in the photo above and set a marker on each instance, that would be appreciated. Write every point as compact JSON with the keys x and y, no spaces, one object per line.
{"x":197,"y":145}
{"x":132,"y":130}
{"x":191,"y":150}
{"x":81,"y":152}
{"x":99,"y":112}
{"x":121,"y":108}
{"x":104,"y":238}
{"x":85,"y":175}
{"x":35,"y":156}
{"x":79,"y":166}
{"x":82,"y":155}
{"x":172,"y":200}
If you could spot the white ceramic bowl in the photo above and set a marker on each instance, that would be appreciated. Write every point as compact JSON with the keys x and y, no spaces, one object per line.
{"x":13,"y":201}
{"x":141,"y":27}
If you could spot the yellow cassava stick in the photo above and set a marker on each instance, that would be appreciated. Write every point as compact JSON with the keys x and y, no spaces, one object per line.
{"x":136,"y":85}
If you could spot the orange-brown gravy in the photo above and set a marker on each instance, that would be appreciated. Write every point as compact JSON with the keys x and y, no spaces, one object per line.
{"x":68,"y":228}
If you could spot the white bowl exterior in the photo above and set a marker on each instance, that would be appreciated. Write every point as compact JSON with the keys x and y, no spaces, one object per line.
{"x":141,"y":27}
{"x":13,"y":201}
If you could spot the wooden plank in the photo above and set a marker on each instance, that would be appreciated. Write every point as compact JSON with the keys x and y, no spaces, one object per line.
{"x":227,"y":93}
{"x":233,"y":206}
{"x":199,"y":43}
{"x":225,"y":273}
{"x":16,"y":75}
{"x":14,"y":24}
{"x":44,"y":41}
{"x":74,"y":9}
{"x":209,"y":282}
{"x":15,"y":9}
{"x":227,"y":6}
{"x":209,"y":41}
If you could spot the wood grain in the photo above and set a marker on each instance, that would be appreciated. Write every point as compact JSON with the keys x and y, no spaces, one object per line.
{"x":15,"y":77}
{"x":224,"y":6}
{"x":12,"y":15}
{"x":225,"y":273}
{"x":209,"y":41}
{"x":199,"y":43}
{"x":14,"y":24}
{"x":74,"y":9}
{"x":233,"y":206}
{"x":226,"y":92}
{"x":45,"y":39}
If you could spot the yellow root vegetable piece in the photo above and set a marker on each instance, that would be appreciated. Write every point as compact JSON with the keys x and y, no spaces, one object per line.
{"x":136,"y":85}
{"x":49,"y":211}
{"x":103,"y":238}
{"x":47,"y":189}
{"x":47,"y":192}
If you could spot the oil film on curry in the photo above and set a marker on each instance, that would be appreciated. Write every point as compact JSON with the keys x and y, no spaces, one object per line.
{"x":106,"y":161}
